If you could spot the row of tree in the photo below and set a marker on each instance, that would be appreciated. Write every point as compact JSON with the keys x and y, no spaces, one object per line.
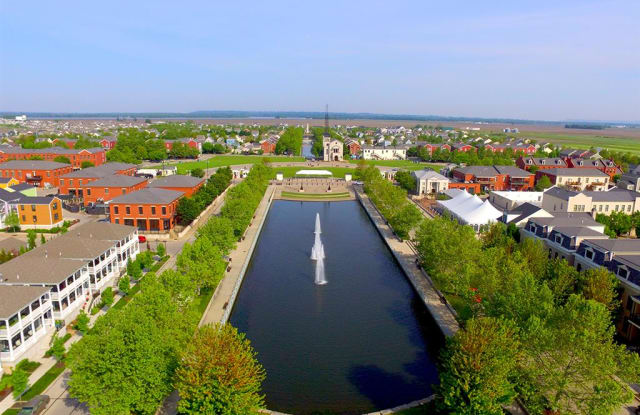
{"x":619,"y":223}
{"x":290,"y":142}
{"x":135,"y":356}
{"x":482,"y":157}
{"x":190,"y":207}
{"x":534,"y":327}
{"x":390,"y":200}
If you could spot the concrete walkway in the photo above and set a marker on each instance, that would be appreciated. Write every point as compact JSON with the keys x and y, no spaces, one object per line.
{"x":222,"y":300}
{"x":442,"y":313}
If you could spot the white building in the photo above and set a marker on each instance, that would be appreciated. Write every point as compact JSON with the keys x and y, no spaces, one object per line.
{"x":384,"y":153}
{"x":429,"y":182}
{"x":512,"y":199}
{"x":332,"y":149}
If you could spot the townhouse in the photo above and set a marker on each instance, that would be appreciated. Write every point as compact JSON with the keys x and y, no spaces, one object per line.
{"x":149,"y":209}
{"x":576,"y":179}
{"x":517,"y":148}
{"x":573,"y":153}
{"x":622,"y":258}
{"x":39,"y":173}
{"x":527,"y":162}
{"x":490,"y":178}
{"x":189,"y":142}
{"x":433,"y":147}
{"x":462,"y":147}
{"x":97,"y":156}
{"x":268,"y":146}
{"x":39,"y":212}
{"x":179,"y":182}
{"x":69,"y":142}
{"x":606,"y":166}
{"x":353,"y":146}
{"x":109,"y":187}
{"x":108,"y":142}
{"x":56,"y":280}
{"x":74,"y":183}
{"x":557,"y":199}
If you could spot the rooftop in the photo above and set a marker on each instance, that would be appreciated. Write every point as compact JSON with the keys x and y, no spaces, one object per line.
{"x":619,"y":246}
{"x":149,"y":196}
{"x":575,"y":172}
{"x":33,"y":165}
{"x":116,"y":180}
{"x":15,"y":298}
{"x":103,"y":231}
{"x":176,"y":180}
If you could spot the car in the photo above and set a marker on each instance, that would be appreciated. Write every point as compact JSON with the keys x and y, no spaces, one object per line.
{"x":35,"y":406}
{"x":142,"y":239}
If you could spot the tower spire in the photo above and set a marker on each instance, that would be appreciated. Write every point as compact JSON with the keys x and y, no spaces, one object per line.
{"x":326,"y":120}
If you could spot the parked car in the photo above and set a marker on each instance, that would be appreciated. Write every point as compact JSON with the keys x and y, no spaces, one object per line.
{"x":142,"y":239}
{"x":35,"y":406}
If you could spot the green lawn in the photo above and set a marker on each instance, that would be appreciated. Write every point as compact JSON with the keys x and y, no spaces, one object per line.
{"x":404,"y":164}
{"x":221,"y":161}
{"x":631,"y":145}
{"x":338,"y":172}
{"x":203,"y":300}
{"x":11,"y":412}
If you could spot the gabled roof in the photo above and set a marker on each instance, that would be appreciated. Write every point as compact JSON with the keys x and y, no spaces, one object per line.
{"x":33,"y":165}
{"x":116,"y":180}
{"x":588,"y":172}
{"x":617,"y":245}
{"x":149,"y":196}
{"x":103,"y":231}
{"x":567,"y":220}
{"x":15,"y":298}
{"x":524,"y":211}
{"x":429,"y":175}
{"x":575,"y":231}
{"x":177,"y":180}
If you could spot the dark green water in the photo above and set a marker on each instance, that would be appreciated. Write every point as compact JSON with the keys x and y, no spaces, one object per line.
{"x":364,"y":341}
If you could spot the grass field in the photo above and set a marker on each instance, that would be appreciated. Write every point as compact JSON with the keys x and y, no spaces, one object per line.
{"x":318,"y":196}
{"x":338,"y":172}
{"x":221,"y":161}
{"x":403,"y":164}
{"x":624,"y":144}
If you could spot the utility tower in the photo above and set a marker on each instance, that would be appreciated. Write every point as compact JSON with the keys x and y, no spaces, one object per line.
{"x":326,"y":120}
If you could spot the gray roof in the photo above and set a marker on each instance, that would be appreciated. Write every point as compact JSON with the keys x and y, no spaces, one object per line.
{"x":21,"y":186}
{"x":630,"y":260}
{"x":17,"y":197}
{"x":11,"y":244}
{"x":572,"y":231}
{"x":524,"y":210}
{"x":632,"y":246}
{"x":15,"y":298}
{"x":588,"y":172}
{"x":615,"y":195}
{"x":33,"y":165}
{"x":102,"y":170}
{"x":71,"y":246}
{"x":559,"y":192}
{"x":567,"y":220}
{"x":103,"y":231}
{"x":149,"y":196}
{"x":429,"y":175}
{"x":34,"y":269}
{"x":176,"y":180}
{"x":116,"y":180}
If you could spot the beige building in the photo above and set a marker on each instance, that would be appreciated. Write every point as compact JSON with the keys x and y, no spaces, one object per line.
{"x":332,"y":149}
{"x":384,"y":153}
{"x":429,"y":182}
{"x":508,"y":200}
{"x":576,"y":179}
{"x":557,"y":199}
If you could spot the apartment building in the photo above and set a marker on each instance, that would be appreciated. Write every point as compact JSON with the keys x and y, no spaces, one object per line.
{"x":97,"y":155}
{"x":609,"y":167}
{"x":39,"y":173}
{"x":576,"y":179}
{"x":149,"y":209}
{"x":384,"y":153}
{"x":557,"y":199}
{"x":495,"y":177}
{"x":40,"y":212}
{"x":73,"y":183}
{"x":540,"y":163}
{"x":110,"y":187}
{"x":179,"y":182}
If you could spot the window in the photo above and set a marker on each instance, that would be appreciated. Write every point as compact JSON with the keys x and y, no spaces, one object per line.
{"x":61,"y":182}
{"x":164,"y":210}
{"x":559,"y":239}
{"x":21,"y":207}
{"x":33,"y":208}
{"x":623,"y":272}
{"x":153,"y":210}
{"x":106,"y":190}
{"x":55,"y":205}
{"x":115,"y":210}
{"x":24,"y":218}
{"x":128,"y":210}
{"x":55,"y":216}
{"x":117,"y":220}
{"x":600,"y":208}
{"x":606,"y":208}
{"x":589,"y":254}
{"x":35,"y":218}
{"x":140,"y":210}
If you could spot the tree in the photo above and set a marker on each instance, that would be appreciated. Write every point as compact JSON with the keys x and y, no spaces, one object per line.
{"x":107,"y":296}
{"x":406,"y":180}
{"x":19,"y":381}
{"x":85,"y":164}
{"x":219,"y":231}
{"x":57,"y":348}
{"x":197,"y":172}
{"x":188,"y":210}
{"x":161,"y":250}
{"x":202,"y":262}
{"x":31,"y":239}
{"x":62,"y":159}
{"x":219,"y":374}
{"x":82,"y":322}
{"x":543,"y":183}
{"x":477,"y":364}
{"x":124,"y":284}
{"x":42,"y":239}
{"x":12,"y":221}
{"x":133,"y":270}
{"x":600,"y":285}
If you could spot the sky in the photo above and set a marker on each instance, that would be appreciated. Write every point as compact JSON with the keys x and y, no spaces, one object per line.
{"x":544,"y":60}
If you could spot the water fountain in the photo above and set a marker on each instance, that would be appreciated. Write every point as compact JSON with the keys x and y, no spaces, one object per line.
{"x":317,"y":254}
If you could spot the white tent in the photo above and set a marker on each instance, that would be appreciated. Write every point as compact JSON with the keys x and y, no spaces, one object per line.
{"x":471,"y":210}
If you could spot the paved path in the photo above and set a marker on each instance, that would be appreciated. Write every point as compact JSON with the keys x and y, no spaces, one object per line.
{"x":405,"y":255}
{"x":222,"y":300}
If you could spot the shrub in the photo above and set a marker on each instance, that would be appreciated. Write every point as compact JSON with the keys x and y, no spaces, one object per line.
{"x":107,"y":296}
{"x":82,"y":322}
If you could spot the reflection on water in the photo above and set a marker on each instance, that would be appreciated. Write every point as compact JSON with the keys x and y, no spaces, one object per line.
{"x":360,"y":343}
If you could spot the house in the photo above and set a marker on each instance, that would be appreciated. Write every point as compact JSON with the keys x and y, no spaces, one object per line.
{"x":73,"y":183}
{"x":353,"y":146}
{"x":6,"y":182}
{"x":429,"y":182}
{"x":606,"y":166}
{"x":508,"y":200}
{"x":557,"y":199}
{"x":149,"y":209}
{"x":527,"y":162}
{"x":179,"y":182}
{"x":108,"y":143}
{"x":189,"y":142}
{"x":39,"y":173}
{"x":517,"y":148}
{"x":495,"y":177}
{"x":43,"y":212}
{"x":576,"y":179}
{"x":573,"y":153}
{"x":69,"y":142}
{"x":433,"y":147}
{"x":268,"y":146}
{"x":384,"y":153}
{"x":462,"y":147}
{"x":622,"y":258}
{"x":109,"y":187}
{"x":630,"y":180}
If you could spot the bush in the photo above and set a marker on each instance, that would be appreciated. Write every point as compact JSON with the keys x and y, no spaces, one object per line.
{"x":19,"y":381}
{"x":86,"y":164}
{"x":197,"y":172}
{"x":124,"y":284}
{"x":107,"y":296}
{"x":161,"y":250}
{"x":82,"y":322}
{"x":57,"y":348}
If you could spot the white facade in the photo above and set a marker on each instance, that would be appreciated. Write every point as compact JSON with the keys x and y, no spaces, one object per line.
{"x":512,"y":199}
{"x":429,"y":182}
{"x":384,"y":153}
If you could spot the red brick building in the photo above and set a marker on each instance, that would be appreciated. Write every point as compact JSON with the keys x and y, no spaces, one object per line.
{"x":268,"y":146}
{"x":110,"y":187}
{"x":526,"y":162}
{"x":606,"y":166}
{"x":463,"y":147}
{"x":69,"y":142}
{"x":473,"y":188}
{"x":189,"y":142}
{"x":39,"y":173}
{"x":353,"y":146}
{"x":149,"y":209}
{"x":97,"y":156}
{"x":178,"y":182}
{"x":433,"y":147}
{"x":108,"y":142}
{"x":495,"y":177}
{"x":73,"y":183}
{"x":517,"y":148}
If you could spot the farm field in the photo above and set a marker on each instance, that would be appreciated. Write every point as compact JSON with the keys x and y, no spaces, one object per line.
{"x":586,"y":141}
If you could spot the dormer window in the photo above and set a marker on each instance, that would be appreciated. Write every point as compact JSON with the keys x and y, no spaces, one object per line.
{"x":532,"y":228}
{"x":558,"y":239}
{"x":589,"y":254}
{"x":542,"y":161}
{"x":623,"y":272}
